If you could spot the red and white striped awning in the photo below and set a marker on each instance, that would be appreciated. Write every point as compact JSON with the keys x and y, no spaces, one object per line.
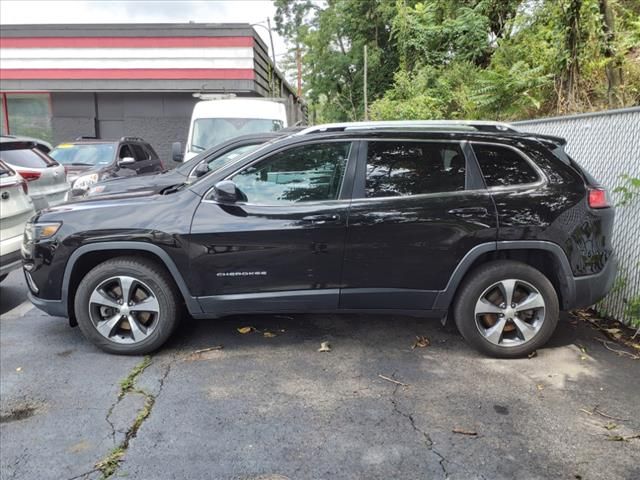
{"x":127,"y":58}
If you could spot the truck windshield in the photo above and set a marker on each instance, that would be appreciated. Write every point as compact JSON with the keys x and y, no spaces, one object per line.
{"x":209,"y":132}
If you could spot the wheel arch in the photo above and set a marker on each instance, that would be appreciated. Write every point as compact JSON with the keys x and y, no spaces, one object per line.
{"x":547,"y":257}
{"x":86,"y":257}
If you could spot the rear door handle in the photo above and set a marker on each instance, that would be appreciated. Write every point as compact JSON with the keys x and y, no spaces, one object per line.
{"x":321,"y":219}
{"x":468,"y":211}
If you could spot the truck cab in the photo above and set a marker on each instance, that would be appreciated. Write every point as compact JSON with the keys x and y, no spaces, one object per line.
{"x":216,"y":121}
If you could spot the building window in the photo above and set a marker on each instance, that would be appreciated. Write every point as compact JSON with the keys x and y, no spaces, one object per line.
{"x":27,"y":114}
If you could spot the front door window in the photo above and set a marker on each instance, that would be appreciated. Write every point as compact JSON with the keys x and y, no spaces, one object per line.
{"x":309,"y":173}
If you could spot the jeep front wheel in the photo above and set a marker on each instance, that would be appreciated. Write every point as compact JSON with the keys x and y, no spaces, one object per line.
{"x":127,"y":306}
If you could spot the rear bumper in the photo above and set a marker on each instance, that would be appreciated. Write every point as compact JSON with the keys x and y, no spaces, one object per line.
{"x":57,"y":308}
{"x":590,"y":289}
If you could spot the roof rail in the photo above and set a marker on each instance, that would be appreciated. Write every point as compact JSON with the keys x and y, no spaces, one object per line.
{"x":131,"y":139}
{"x":476,"y":125}
{"x":86,"y":137}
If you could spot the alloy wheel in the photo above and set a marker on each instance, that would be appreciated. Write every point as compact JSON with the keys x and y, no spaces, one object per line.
{"x":124,"y":310}
{"x":510,"y":312}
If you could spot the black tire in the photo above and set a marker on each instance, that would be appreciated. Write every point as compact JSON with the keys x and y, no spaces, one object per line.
{"x":2,"y":277}
{"x":152,"y":276}
{"x":483,"y":278}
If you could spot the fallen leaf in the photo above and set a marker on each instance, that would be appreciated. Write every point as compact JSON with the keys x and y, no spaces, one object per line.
{"x":244,"y":330}
{"x":421,"y":342}
{"x":324,"y":347}
{"x":465,"y":432}
{"x":540,"y":386}
{"x":614,"y":332}
{"x":620,"y":438}
{"x":533,"y":354}
{"x":269,"y":334}
{"x":610,"y":426}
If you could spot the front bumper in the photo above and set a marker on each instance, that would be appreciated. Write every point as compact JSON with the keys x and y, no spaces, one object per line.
{"x":590,"y":289}
{"x":56,"y":308}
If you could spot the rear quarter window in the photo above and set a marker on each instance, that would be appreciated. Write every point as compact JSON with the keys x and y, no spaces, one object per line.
{"x":503,"y":166}
{"x":26,"y":158}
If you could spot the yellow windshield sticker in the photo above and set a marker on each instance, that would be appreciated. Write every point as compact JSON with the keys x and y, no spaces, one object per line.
{"x":66,"y":145}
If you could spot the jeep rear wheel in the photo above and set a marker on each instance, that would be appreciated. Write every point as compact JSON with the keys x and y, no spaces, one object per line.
{"x":127,"y":306}
{"x":506,"y":309}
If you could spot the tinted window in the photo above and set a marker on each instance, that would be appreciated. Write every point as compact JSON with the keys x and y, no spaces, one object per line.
{"x":84,"y":154}
{"x":300,"y":174}
{"x":151,"y":153}
{"x":502,"y":166}
{"x":139,"y":152}
{"x":25,"y":158}
{"x":398,"y":169}
{"x":125,"y":152}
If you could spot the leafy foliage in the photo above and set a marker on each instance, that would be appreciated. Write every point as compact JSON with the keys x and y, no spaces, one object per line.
{"x":495,"y":59}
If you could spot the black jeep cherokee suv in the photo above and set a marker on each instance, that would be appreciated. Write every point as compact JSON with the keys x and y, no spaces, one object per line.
{"x":496,"y":228}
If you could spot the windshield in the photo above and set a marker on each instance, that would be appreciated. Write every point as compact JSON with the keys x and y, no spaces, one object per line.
{"x":209,"y":132}
{"x":90,"y":154}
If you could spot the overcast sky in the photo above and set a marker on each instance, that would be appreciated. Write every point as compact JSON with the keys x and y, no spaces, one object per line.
{"x":142,"y":11}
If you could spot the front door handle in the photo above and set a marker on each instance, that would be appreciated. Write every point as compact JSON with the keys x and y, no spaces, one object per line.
{"x":467,"y":212}
{"x":321,"y":219}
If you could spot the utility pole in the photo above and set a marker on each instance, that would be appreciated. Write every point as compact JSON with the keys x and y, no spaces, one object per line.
{"x":273,"y":52}
{"x":366,"y":107}
{"x":299,"y":62}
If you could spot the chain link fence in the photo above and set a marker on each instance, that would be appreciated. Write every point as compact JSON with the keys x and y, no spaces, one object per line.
{"x":607,"y":145}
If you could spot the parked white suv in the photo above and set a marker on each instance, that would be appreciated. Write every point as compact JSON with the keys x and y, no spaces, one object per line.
{"x":16,"y":207}
{"x":47,"y":179}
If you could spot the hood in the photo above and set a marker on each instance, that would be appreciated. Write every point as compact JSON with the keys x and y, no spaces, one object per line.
{"x":136,"y":185}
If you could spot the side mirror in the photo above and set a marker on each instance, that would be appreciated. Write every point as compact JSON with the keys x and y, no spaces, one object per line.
{"x":201,"y":169}
{"x":176,"y":152}
{"x":227,"y":191}
{"x":126,"y":162}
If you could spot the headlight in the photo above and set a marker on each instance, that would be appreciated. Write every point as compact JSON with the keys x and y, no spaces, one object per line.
{"x":85,"y":181}
{"x":40,"y":231}
{"x":95,"y":190}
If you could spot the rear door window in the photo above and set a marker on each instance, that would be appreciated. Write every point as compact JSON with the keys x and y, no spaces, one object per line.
{"x":404,"y":168}
{"x":503,"y":166}
{"x":26,"y":158}
{"x":139,"y":153}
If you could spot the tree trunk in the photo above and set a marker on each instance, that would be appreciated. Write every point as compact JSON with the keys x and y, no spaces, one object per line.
{"x":570,"y":77}
{"x":613,"y":66}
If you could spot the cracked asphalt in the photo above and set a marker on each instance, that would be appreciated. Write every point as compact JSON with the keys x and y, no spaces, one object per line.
{"x":276,"y":408}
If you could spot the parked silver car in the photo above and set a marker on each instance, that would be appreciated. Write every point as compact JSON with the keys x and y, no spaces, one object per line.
{"x":15,"y":210}
{"x":47,"y":179}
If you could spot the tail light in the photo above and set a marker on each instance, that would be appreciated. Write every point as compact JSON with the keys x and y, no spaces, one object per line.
{"x":29,"y":176}
{"x":598,"y":198}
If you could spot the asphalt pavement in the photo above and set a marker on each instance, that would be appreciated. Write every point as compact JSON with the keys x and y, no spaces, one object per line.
{"x":218,"y":404}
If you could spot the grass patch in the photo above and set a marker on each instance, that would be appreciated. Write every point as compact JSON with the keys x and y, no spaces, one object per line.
{"x":109,"y":464}
{"x":127,"y":384}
